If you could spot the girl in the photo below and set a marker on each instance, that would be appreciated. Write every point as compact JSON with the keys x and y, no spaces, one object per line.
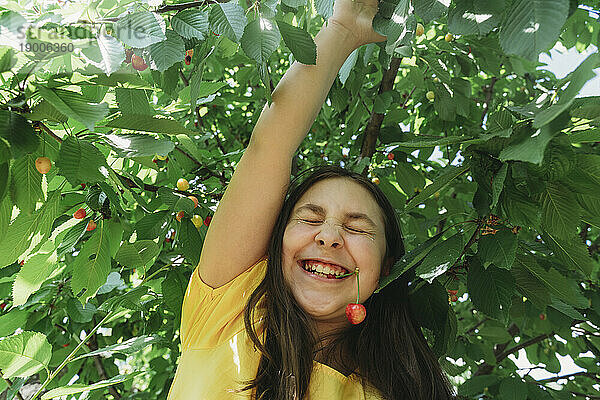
{"x":264,"y":312}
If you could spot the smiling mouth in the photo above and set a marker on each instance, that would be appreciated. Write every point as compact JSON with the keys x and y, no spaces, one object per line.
{"x":312,"y":270}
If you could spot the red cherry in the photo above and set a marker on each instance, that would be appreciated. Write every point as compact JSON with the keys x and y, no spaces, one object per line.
{"x":79,"y":214}
{"x":83,"y":185}
{"x":207,"y":220}
{"x":454,"y":292}
{"x":91,"y":226}
{"x":2,"y":306}
{"x":188,"y":59}
{"x":454,"y":298}
{"x":138,"y":63}
{"x":542,"y":316}
{"x":22,"y":262}
{"x":356,"y":313}
{"x":179,"y":216}
{"x":390,"y":156}
{"x":154,"y":160}
{"x":66,"y":345}
{"x":168,"y":240}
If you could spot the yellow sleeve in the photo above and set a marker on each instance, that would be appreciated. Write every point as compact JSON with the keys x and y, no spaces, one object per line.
{"x":211,"y":316}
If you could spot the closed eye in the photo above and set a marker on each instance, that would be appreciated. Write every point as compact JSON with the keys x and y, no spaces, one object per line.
{"x":318,"y":222}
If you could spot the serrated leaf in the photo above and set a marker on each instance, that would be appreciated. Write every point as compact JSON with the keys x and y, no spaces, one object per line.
{"x":79,"y":388}
{"x":498,"y":184}
{"x":190,"y":241}
{"x":324,"y":8}
{"x":7,"y":59}
{"x":133,"y":101}
{"x":140,"y":29}
{"x":92,"y":265}
{"x":500,"y":123}
{"x":532,"y":26}
{"x":167,"y":52}
{"x":429,"y":10}
{"x":80,"y":161}
{"x":191,"y":23}
{"x":555,"y":282}
{"x":173,"y":290}
{"x":530,"y":286}
{"x":347,"y":66}
{"x":24,"y":354}
{"x":129,"y":346}
{"x":44,"y":110}
{"x":113,"y":54}
{"x":560,"y":211}
{"x":475,"y":17}
{"x":573,"y":252}
{"x":490,"y":289}
{"x":153,"y":225}
{"x":31,"y":276}
{"x":27,"y":183}
{"x":450,"y":173}
{"x":395,"y":21}
{"x":80,"y":313}
{"x":29,"y":230}
{"x":513,"y":389}
{"x":144,"y":123}
{"x":199,"y":89}
{"x":18,"y":133}
{"x":137,"y":254}
{"x":260,"y":39}
{"x":429,"y":306}
{"x":75,"y":106}
{"x":300,"y":43}
{"x":440,"y":258}
{"x":498,"y":249}
{"x":138,"y":145}
{"x":228,"y":19}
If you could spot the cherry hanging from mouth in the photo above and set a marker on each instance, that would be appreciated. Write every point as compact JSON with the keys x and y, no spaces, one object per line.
{"x":356,"y":312}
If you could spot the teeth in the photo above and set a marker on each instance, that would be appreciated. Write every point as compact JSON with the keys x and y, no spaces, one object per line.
{"x":320,"y":269}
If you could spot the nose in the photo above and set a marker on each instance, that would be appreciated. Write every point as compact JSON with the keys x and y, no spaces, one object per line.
{"x":329,"y":236}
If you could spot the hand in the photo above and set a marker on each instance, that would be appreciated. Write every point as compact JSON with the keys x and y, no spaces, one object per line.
{"x":356,"y":16}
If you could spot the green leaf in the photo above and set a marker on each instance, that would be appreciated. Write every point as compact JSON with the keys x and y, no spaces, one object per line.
{"x":300,"y":43}
{"x":127,"y":347}
{"x":80,"y":161}
{"x":18,"y":133}
{"x":24,"y":354}
{"x":144,"y":123}
{"x":7,"y":59}
{"x":173,"y":291}
{"x":260,"y":39}
{"x":199,"y":89}
{"x":475,"y":17}
{"x":44,"y":110}
{"x":490,"y":289}
{"x":27,"y":183}
{"x":31,"y":276}
{"x":79,"y":388}
{"x":80,"y":313}
{"x":395,"y":21}
{"x":560,"y":211}
{"x":137,"y":254}
{"x":409,"y":179}
{"x":498,"y":184}
{"x":396,"y":198}
{"x":582,"y":74}
{"x":190,"y":23}
{"x":228,"y":19}
{"x":498,"y":249}
{"x":11,"y":321}
{"x":29,"y":230}
{"x":294,"y":3}
{"x":440,"y":258}
{"x":500,"y":123}
{"x":75,"y":106}
{"x":513,"y":389}
{"x":587,"y":136}
{"x":429,"y":306}
{"x":166,"y":53}
{"x":324,"y":8}
{"x":140,"y":29}
{"x":92,"y":264}
{"x":572,"y":252}
{"x":558,"y":285}
{"x":153,"y":225}
{"x":138,"y":145}
{"x":450,"y":173}
{"x":426,"y":143}
{"x":530,"y":286}
{"x":347,"y":66}
{"x":133,"y":101}
{"x":113,"y":54}
{"x":429,"y":10}
{"x":190,"y":241}
{"x":476,"y":384}
{"x":532,"y":26}
{"x":12,"y":25}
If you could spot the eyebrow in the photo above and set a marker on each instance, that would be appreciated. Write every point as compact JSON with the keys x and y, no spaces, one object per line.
{"x":355,"y":215}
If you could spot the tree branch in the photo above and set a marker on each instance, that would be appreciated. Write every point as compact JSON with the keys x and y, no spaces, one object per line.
{"x":191,"y":4}
{"x":93,"y":345}
{"x":581,"y":373}
{"x":376,"y":119}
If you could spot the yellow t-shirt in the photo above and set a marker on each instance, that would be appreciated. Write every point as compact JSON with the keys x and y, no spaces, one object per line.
{"x":217,"y":353}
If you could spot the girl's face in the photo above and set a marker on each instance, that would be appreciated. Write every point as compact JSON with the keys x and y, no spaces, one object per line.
{"x":339,"y":221}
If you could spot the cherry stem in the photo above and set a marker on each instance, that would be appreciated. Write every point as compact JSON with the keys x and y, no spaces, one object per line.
{"x":357,"y":286}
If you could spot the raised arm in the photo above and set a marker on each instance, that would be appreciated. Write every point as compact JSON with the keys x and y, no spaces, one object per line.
{"x":240,"y":230}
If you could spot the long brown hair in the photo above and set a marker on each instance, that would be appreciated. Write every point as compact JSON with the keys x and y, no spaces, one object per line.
{"x":386,"y":351}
